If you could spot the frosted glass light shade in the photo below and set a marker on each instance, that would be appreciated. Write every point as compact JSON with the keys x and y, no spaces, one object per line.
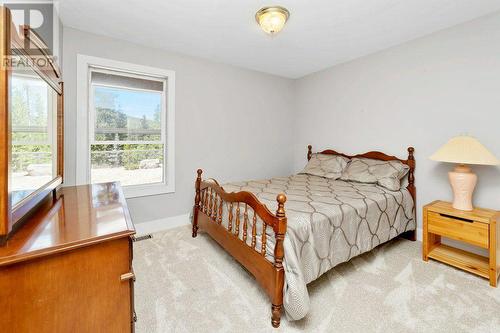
{"x":465,"y":150}
{"x":272,"y":19}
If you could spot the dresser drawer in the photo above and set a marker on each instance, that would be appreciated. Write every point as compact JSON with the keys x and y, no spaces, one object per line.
{"x":473,"y":232}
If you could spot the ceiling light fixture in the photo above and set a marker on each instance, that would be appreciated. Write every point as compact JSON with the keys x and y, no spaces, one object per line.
{"x":272,"y":19}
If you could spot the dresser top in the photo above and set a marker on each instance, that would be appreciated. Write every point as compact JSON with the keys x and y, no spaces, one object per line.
{"x":78,"y":216}
{"x":477,"y":214}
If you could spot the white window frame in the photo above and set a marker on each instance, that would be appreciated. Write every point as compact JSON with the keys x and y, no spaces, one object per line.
{"x":85,"y":121}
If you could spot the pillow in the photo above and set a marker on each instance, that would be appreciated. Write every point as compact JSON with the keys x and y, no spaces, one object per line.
{"x":328,"y":166}
{"x":384,"y":173}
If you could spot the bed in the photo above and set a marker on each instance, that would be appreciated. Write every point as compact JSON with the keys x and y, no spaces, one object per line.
{"x":327,"y":222}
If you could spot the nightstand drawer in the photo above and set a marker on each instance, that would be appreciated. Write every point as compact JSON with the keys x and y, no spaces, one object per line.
{"x":475,"y":233}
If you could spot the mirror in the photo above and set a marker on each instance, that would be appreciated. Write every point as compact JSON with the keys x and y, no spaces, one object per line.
{"x":33,"y":114}
{"x":31,"y":124}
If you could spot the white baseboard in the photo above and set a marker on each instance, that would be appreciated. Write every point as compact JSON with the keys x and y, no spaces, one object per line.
{"x":159,"y":225}
{"x":419,"y":234}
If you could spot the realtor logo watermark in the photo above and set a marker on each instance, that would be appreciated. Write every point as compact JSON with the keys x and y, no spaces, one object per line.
{"x":41,"y":18}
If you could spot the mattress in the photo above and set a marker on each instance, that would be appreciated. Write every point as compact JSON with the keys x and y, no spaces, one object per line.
{"x":329,"y":222}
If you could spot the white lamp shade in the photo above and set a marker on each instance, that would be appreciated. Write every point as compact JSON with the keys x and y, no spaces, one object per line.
{"x":465,"y":150}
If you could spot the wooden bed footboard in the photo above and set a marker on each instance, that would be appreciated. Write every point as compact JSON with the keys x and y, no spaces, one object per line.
{"x":240,"y":237}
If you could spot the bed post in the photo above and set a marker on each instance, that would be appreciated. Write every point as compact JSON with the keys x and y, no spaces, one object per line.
{"x":196,"y":203}
{"x":279,"y":234}
{"x":309,"y":152}
{"x":412,"y":235}
{"x":411,"y":173}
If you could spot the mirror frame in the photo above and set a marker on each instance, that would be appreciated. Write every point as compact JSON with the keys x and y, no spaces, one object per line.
{"x":11,"y":217}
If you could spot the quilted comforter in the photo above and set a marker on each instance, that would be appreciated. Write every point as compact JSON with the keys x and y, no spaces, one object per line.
{"x":329,"y":222}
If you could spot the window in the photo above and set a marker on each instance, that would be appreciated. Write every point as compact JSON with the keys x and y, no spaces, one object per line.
{"x":129,"y":137}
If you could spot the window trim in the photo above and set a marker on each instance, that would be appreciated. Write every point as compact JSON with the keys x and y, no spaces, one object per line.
{"x":83,"y":120}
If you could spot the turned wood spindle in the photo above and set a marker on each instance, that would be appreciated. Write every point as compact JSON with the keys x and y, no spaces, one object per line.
{"x":411,"y":185}
{"x":214,"y":207}
{"x":245,"y":223}
{"x":254,"y":230}
{"x":197,"y":199}
{"x":214,"y":212}
{"x":210,"y":202}
{"x":206,"y":201}
{"x":219,"y":218}
{"x":237,"y":231}
{"x":279,"y":234}
{"x":202,"y":203}
{"x":411,"y":174}
{"x":264,"y":239}
{"x":202,"y":200}
{"x":230,"y":223}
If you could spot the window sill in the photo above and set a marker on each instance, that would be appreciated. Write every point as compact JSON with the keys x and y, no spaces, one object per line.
{"x":136,"y":191}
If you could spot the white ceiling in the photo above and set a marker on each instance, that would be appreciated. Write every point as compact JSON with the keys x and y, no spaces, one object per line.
{"x":319,"y":33}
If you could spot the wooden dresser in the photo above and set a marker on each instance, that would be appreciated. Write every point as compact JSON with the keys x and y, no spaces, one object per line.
{"x":69,"y":267}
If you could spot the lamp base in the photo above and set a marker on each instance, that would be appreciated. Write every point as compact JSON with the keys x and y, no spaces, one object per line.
{"x":463,"y":181}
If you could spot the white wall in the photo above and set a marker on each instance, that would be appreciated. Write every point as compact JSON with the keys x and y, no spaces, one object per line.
{"x":420,"y":93}
{"x":239,"y":124}
{"x":234,"y":123}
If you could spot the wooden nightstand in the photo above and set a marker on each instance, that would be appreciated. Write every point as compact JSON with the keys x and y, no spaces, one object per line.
{"x":479,"y":227}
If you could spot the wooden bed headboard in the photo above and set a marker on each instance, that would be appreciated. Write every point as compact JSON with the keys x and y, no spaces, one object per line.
{"x":376,"y":155}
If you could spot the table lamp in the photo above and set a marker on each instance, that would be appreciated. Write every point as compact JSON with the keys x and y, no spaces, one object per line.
{"x":464,"y":150}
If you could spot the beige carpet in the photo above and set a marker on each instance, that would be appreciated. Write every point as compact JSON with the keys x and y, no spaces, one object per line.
{"x":191,"y":285}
